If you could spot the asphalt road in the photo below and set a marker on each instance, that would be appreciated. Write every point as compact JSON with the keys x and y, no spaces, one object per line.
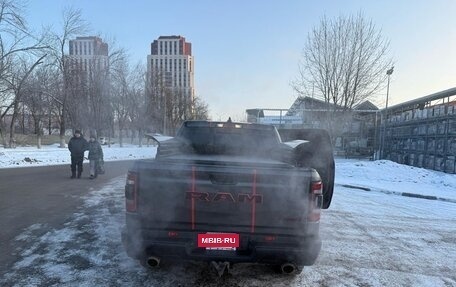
{"x":42,"y":195}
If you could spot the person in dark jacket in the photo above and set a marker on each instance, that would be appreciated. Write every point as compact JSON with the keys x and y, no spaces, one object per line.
{"x":77,"y":146}
{"x":95,"y":155}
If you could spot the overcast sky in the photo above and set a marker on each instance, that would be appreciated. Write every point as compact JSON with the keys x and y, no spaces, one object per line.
{"x":247,"y":52}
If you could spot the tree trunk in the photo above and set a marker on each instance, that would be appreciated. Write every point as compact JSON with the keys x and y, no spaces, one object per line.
{"x":120,"y":138}
{"x":12,"y":141}
{"x":38,"y":131}
{"x":50,"y":124}
{"x":62,"y":129}
{"x":39,"y":141}
{"x":140,"y":137}
{"x":23,"y":121}
{"x":2,"y":128}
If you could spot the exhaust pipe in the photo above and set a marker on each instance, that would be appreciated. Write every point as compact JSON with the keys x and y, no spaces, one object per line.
{"x":288,"y":268}
{"x":153,"y":262}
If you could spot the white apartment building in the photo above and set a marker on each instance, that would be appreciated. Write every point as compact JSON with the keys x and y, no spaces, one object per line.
{"x":171,"y":59}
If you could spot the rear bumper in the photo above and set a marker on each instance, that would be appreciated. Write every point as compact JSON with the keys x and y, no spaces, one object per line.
{"x":301,"y":250}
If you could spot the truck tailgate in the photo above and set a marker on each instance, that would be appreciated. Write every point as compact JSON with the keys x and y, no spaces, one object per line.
{"x":219,"y":196}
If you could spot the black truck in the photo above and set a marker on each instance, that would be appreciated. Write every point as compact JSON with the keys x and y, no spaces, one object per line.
{"x":226,"y":193}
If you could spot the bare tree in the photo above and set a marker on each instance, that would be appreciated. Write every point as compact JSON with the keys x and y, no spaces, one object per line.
{"x":167,"y":105}
{"x":120,"y":95}
{"x":76,"y":88}
{"x":16,"y":84}
{"x":138,"y":111}
{"x":105,"y":83}
{"x":156,"y":100}
{"x":137,"y":107}
{"x":344,"y":61}
{"x":73,"y":25}
{"x":98,"y":103}
{"x":36,"y":96}
{"x":179,"y":108}
{"x":128,"y":100}
{"x":16,"y":44}
{"x":200,"y":109}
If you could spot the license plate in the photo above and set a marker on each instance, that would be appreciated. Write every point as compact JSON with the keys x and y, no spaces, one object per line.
{"x":218,"y":241}
{"x":221,"y":248}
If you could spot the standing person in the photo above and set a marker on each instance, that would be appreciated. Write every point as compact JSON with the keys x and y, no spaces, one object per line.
{"x":95,"y":155}
{"x":77,"y":146}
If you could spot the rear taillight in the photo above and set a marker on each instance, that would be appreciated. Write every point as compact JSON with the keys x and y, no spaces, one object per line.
{"x":131,"y":191}
{"x":315,"y":201}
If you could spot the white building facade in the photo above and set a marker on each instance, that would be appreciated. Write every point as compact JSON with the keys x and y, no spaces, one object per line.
{"x":172,"y":61}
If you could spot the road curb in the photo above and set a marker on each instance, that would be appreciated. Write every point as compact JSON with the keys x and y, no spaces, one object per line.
{"x":446,"y":199}
{"x":356,"y":187}
{"x":430,"y":197}
{"x":407,"y":194}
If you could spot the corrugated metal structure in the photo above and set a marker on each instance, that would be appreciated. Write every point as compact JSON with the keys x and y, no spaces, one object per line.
{"x":421,"y":132}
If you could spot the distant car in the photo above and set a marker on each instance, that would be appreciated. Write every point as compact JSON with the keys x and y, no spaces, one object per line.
{"x":104,"y":141}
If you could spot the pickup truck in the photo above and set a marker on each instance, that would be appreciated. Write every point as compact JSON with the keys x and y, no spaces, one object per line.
{"x":226,"y":193}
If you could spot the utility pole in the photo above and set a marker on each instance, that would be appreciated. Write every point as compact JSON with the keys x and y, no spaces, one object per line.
{"x":388,"y":73}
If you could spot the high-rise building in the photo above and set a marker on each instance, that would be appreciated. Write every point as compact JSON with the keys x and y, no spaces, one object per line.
{"x":88,"y":54}
{"x":171,"y":64}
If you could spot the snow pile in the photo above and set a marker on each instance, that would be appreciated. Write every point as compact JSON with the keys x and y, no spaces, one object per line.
{"x":53,"y":155}
{"x":384,"y":175}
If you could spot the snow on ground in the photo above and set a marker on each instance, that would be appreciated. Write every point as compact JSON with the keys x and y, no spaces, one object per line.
{"x":389,"y":240}
{"x":388,"y":176}
{"x":369,"y":239}
{"x":53,"y":155}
